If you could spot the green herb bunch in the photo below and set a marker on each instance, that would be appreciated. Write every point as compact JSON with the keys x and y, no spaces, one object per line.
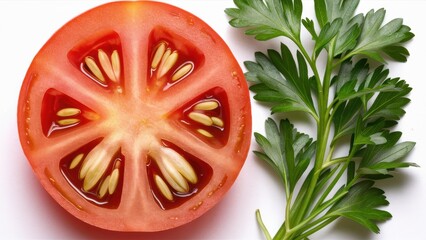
{"x":350,"y":102}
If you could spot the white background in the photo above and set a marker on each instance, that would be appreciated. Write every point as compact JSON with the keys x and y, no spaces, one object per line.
{"x":28,"y":212}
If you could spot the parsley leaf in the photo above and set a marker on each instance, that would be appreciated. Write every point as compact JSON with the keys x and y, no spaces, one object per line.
{"x":361,"y":205}
{"x":268,"y":19}
{"x":278,"y":79}
{"x":288,"y":151}
{"x":376,"y":39}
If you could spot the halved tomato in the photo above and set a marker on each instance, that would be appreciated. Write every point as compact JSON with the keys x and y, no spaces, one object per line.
{"x":135,"y":116}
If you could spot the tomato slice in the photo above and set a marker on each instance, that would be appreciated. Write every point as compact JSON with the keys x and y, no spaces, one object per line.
{"x":135,"y":116}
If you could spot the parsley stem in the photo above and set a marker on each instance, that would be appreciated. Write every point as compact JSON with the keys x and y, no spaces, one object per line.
{"x":318,"y":227}
{"x":310,"y":222}
{"x":331,"y":185}
{"x":313,"y":67}
{"x":287,"y":212}
{"x":323,"y":129}
{"x":262,"y":225}
{"x":334,"y":161}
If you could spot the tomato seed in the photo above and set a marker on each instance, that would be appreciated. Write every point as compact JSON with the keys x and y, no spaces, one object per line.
{"x":93,"y":67}
{"x":116,"y":66}
{"x":162,"y":186}
{"x":207,"y":105}
{"x":182,"y":71}
{"x":96,"y":164}
{"x":68,"y":121}
{"x":106,"y":64}
{"x":201,"y":118}
{"x":173,"y":177}
{"x":158,"y":55}
{"x":68,"y":112}
{"x":169,"y":62}
{"x":204,"y":133}
{"x":76,"y":160}
{"x":181,"y":164}
{"x":113,"y":181}
{"x":104,"y":186}
{"x":217,"y":121}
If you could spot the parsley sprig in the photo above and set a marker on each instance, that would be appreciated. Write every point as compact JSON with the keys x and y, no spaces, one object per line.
{"x":350,"y":101}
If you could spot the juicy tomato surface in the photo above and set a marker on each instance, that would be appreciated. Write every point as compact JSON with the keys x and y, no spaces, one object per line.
{"x":135,"y":116}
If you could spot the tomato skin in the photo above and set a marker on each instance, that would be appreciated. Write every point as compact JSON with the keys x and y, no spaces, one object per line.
{"x":133,"y":28}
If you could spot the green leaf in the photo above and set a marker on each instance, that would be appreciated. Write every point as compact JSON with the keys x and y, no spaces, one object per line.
{"x":376,"y":78}
{"x":287,"y":106}
{"x":355,"y":86}
{"x":398,"y":53}
{"x":271,"y":147}
{"x":266,"y":94}
{"x":286,"y":150}
{"x":329,"y":31}
{"x":361,"y":205}
{"x":328,"y":11}
{"x":369,"y":133}
{"x":321,"y":12}
{"x":280,"y":78}
{"x":350,"y":174}
{"x":348,"y":39}
{"x":379,"y":159}
{"x":376,"y":39}
{"x":389,"y":105}
{"x":267,"y":19}
{"x":348,"y":72}
{"x":310,"y":26}
{"x":357,"y":81}
{"x":346,"y":117}
{"x":394,"y":153}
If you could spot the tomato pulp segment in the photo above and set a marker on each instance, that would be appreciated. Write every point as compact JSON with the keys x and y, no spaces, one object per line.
{"x":135,"y":116}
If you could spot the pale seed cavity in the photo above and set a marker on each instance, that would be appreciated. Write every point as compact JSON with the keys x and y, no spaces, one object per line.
{"x":183,"y":71}
{"x":202,"y":113}
{"x":176,"y":171}
{"x":68,"y":112}
{"x":201,"y":118}
{"x":109,"y":64}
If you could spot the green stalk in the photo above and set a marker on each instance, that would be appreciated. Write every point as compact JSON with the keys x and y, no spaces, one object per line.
{"x":323,"y":132}
{"x":310,"y":222}
{"x":330,"y":187}
{"x":262,"y":225}
{"x":316,"y":228}
{"x":287,"y":212}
